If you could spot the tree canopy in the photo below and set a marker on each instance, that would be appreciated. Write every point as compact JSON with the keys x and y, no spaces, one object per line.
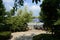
{"x":2,"y":11}
{"x":50,"y":14}
{"x":2,"y":15}
{"x":20,"y":19}
{"x":49,"y":11}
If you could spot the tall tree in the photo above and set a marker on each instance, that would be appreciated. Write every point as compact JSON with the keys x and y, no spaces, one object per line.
{"x":2,"y":13}
{"x":49,"y":12}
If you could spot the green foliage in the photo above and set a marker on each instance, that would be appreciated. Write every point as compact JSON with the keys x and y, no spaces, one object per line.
{"x":36,"y":1}
{"x":44,"y":37}
{"x":5,"y":35}
{"x":19,"y":22}
{"x":2,"y":11}
{"x":49,"y":13}
{"x":2,"y":15}
{"x":57,"y":22}
{"x":4,"y":27}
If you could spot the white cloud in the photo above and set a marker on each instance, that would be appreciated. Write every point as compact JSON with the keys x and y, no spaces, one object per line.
{"x":35,"y":9}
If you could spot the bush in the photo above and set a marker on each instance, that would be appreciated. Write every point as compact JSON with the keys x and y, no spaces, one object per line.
{"x":57,"y":31}
{"x":4,"y":27}
{"x":5,"y":35}
{"x":44,"y":37}
{"x":19,"y":28}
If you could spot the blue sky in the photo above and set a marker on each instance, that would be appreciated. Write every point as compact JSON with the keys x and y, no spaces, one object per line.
{"x":31,"y":6}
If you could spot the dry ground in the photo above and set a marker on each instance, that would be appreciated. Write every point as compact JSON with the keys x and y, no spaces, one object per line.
{"x":26,"y":33}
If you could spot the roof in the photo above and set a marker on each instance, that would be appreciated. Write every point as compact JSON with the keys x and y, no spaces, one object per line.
{"x":35,"y":23}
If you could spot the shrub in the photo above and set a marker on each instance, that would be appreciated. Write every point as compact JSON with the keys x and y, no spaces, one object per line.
{"x":44,"y":37}
{"x":5,"y":35}
{"x":19,"y":28}
{"x":4,"y":27}
{"x":57,"y":31}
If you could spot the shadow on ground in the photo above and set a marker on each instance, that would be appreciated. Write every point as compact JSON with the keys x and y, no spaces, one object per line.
{"x":45,"y":37}
{"x":24,"y":37}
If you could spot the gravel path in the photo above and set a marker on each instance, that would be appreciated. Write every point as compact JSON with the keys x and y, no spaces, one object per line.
{"x":28,"y":35}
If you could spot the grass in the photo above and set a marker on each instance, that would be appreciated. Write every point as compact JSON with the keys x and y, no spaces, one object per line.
{"x":5,"y":35}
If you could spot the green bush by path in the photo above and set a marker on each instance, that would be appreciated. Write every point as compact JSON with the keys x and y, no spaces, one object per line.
{"x":44,"y":37}
{"x":5,"y":35}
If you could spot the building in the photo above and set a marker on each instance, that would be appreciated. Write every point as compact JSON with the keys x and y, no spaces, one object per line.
{"x":35,"y":24}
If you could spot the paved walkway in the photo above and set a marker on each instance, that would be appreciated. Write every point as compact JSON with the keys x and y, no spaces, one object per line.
{"x":28,"y":35}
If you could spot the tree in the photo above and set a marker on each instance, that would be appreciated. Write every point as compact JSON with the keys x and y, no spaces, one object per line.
{"x":2,"y":11}
{"x":24,"y":17}
{"x":3,"y":35}
{"x":50,"y":14}
{"x":2,"y":15}
{"x":18,"y":21}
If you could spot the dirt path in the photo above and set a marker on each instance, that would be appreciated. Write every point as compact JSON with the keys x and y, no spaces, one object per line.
{"x":28,"y":34}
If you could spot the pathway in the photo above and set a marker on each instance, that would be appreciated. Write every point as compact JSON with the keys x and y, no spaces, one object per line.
{"x":28,"y":35}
